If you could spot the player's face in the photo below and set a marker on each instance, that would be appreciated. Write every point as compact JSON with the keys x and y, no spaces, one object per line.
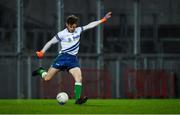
{"x":71,"y":28}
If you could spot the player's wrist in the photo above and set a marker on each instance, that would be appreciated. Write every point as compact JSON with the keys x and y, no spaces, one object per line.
{"x":103,"y":20}
{"x":40,"y":54}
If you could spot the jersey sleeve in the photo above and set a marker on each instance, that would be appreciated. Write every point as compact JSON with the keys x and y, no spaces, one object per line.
{"x":54,"y":40}
{"x":58,"y":36}
{"x":91,"y":25}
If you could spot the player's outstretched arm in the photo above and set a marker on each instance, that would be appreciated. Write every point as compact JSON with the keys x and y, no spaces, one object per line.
{"x":96,"y":23}
{"x":40,"y":53}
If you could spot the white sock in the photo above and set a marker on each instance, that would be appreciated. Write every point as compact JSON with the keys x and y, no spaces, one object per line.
{"x":44,"y":74}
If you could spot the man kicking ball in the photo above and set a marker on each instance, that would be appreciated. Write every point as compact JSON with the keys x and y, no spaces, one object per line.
{"x":69,"y":39}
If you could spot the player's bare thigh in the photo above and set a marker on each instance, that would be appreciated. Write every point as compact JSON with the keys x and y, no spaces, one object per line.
{"x":76,"y":73}
{"x":51,"y":73}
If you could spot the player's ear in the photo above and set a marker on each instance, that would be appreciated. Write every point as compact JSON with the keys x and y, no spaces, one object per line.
{"x":66,"y":24}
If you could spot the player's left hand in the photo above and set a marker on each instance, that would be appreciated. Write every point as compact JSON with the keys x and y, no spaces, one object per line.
{"x":108,"y":15}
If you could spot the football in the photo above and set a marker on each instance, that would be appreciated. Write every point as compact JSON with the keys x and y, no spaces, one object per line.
{"x":62,"y":98}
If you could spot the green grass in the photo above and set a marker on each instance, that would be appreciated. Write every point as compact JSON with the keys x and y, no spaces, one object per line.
{"x":93,"y":106}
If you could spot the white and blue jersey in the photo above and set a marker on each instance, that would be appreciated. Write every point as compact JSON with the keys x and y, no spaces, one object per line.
{"x":69,"y":41}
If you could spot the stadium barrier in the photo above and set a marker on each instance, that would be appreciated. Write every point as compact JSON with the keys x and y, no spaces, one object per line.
{"x":149,"y":84}
{"x":93,"y":86}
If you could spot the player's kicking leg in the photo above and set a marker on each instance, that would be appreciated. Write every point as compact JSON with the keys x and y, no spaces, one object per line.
{"x":45,"y":75}
{"x":76,"y":73}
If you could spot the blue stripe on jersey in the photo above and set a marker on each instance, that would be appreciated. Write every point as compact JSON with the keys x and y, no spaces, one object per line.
{"x":57,"y":37}
{"x":74,"y":46}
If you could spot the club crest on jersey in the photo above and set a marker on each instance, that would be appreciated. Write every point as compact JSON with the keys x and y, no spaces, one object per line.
{"x":73,"y":38}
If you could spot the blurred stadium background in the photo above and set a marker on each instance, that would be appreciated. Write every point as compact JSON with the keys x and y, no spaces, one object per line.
{"x":136,"y":54}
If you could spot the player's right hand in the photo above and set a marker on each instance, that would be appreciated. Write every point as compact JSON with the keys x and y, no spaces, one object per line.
{"x":40,"y":54}
{"x":108,"y":15}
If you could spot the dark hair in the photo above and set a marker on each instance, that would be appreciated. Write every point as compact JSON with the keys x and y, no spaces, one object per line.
{"x":72,"y":19}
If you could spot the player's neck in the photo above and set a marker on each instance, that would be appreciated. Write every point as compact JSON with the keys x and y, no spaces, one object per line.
{"x":69,"y":31}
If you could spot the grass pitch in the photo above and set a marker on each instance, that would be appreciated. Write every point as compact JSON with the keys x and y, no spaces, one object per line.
{"x":93,"y":106}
